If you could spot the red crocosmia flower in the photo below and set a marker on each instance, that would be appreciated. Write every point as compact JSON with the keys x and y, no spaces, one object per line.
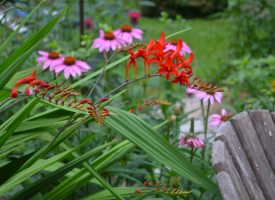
{"x":26,"y":80}
{"x":146,"y":53}
{"x":159,"y":54}
{"x":132,"y":60}
{"x":186,"y":64}
{"x":181,"y":78}
{"x":168,"y":68}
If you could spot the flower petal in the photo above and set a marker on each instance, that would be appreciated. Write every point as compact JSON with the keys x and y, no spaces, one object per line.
{"x":47,"y":64}
{"x":43,"y":53}
{"x":223,"y":112}
{"x":136,"y":35}
{"x":82,"y":64}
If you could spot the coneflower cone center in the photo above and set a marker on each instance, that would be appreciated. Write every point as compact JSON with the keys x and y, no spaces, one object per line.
{"x":174,"y":42}
{"x":126,"y":28}
{"x":210,"y":92}
{"x":69,"y":61}
{"x":53,"y":55}
{"x":223,"y":118}
{"x":109,"y":36}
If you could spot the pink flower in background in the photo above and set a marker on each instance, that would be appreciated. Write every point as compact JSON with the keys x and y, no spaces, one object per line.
{"x":173,"y":45}
{"x":218,"y":119}
{"x":71,"y":66}
{"x":134,"y":16}
{"x":50,"y":59}
{"x":107,"y":40}
{"x":192,"y":142}
{"x":127,"y":33}
{"x":207,"y":95}
{"x":88,"y":23}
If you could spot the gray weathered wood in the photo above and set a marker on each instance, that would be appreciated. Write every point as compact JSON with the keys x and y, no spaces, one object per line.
{"x":265,"y":129}
{"x":254,"y":152}
{"x":221,"y":161}
{"x":226,"y":187}
{"x":227,"y":134}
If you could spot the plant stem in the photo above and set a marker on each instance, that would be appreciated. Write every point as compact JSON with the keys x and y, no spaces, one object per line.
{"x":202,"y":110}
{"x":189,"y":182}
{"x":108,"y":74}
{"x":100,"y":75}
{"x":206,"y":120}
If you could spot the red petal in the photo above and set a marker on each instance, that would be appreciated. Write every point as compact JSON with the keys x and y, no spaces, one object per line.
{"x":162,"y":38}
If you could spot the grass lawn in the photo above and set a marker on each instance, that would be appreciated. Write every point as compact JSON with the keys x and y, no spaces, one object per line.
{"x":208,"y":39}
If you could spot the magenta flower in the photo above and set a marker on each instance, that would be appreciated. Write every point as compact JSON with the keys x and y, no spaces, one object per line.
{"x":71,"y":66}
{"x":134,"y":16}
{"x":50,"y":59}
{"x":207,"y":95}
{"x":218,"y":119}
{"x":173,"y":45}
{"x":107,"y":40}
{"x":191,"y":142}
{"x":127,"y":33}
{"x":88,"y":23}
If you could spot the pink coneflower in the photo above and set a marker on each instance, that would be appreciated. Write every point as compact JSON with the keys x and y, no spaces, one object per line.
{"x":207,"y":95}
{"x":134,"y":16}
{"x":50,"y":59}
{"x":191,"y":141}
{"x":88,"y":23}
{"x":71,"y":66}
{"x":218,"y":119}
{"x":127,"y":33}
{"x":107,"y":40}
{"x":173,"y":45}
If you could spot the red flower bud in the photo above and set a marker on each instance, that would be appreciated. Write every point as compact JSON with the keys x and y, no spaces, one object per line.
{"x":27,"y":91}
{"x":14,"y":93}
{"x":104,"y":99}
{"x":84,"y":101}
{"x":145,"y":183}
{"x":138,"y":191}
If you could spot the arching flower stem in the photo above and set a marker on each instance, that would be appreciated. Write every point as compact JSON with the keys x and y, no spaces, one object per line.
{"x":107,"y":62}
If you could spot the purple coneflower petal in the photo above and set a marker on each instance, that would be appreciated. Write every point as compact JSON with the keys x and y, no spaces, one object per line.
{"x":98,"y":42}
{"x":55,"y":63}
{"x":82,"y":65}
{"x":136,"y":35}
{"x":135,"y":30}
{"x":76,"y":70}
{"x":47,"y":64}
{"x":40,"y":60}
{"x":127,"y":37}
{"x":43,"y":53}
{"x":101,"y":33}
{"x":211,"y":99}
{"x":206,"y":98}
{"x":218,"y":96}
{"x":214,"y":122}
{"x":189,"y":90}
{"x":223,"y":112}
{"x":117,"y":32}
{"x":59,"y":68}
{"x":215,"y":116}
{"x":114,"y":44}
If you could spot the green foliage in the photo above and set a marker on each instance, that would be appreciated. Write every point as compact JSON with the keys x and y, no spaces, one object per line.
{"x":253,"y":25}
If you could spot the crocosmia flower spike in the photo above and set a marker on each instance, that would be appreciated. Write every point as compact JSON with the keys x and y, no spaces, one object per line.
{"x":22,"y":81}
